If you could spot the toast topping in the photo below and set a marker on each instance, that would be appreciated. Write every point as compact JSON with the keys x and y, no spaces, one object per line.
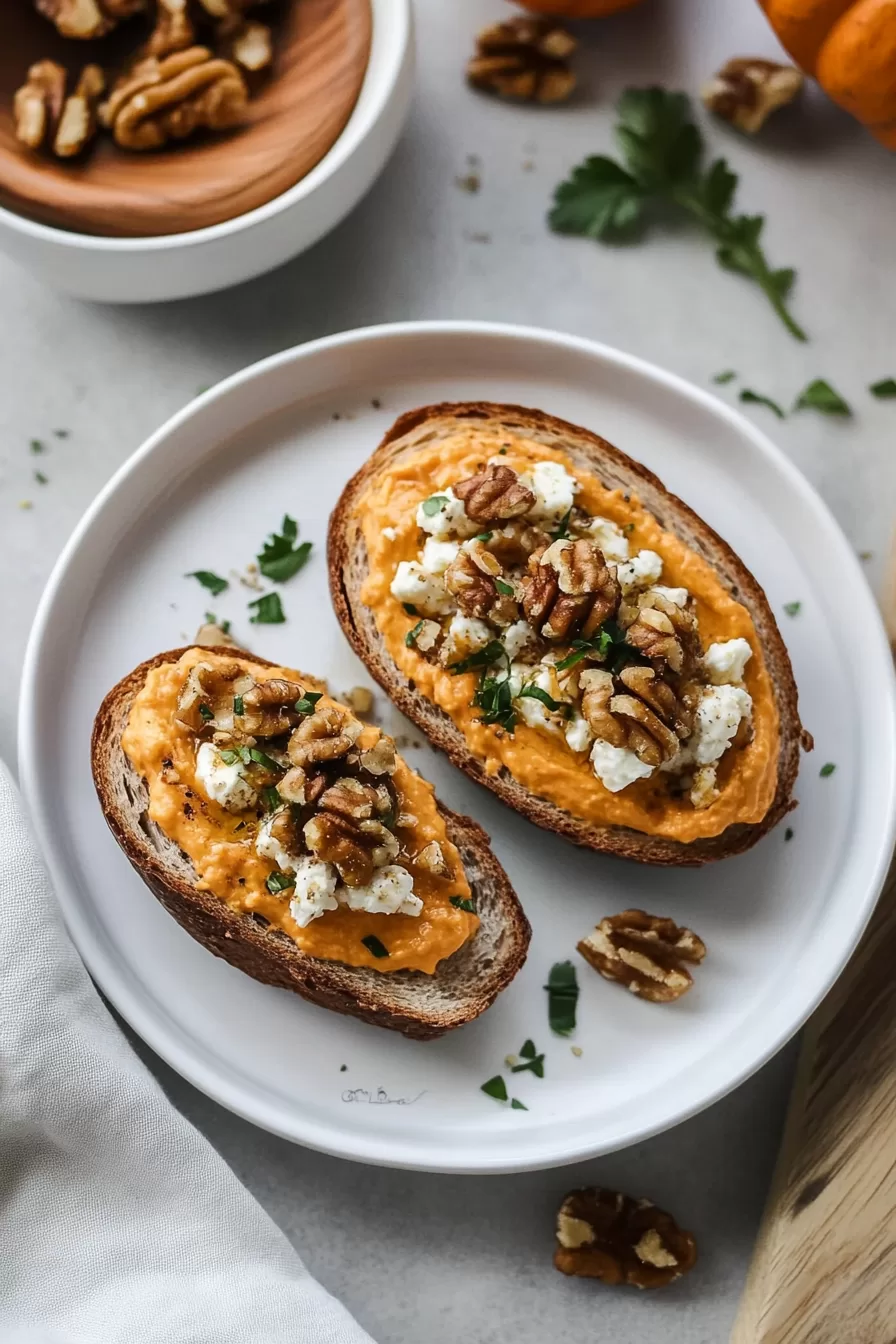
{"x":290,"y":808}
{"x":570,"y":632}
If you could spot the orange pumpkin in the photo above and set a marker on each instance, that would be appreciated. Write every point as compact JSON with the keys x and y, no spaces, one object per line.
{"x":577,"y":9}
{"x":850,"y":48}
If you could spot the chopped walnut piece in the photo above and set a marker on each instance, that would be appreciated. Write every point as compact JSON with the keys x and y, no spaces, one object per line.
{"x":168,"y":99}
{"x":612,"y":1237}
{"x":207,"y":696}
{"x":474,"y":590}
{"x":293,"y":787}
{"x":325,"y":735}
{"x":569,"y":589}
{"x":355,"y":848}
{"x":645,"y":953}
{"x":432,"y":860}
{"x":359,"y":699}
{"x":269,"y":707}
{"x":246,"y":42}
{"x":526,"y":58}
{"x":351,"y":798}
{"x":748,"y":89}
{"x":87,"y":18}
{"x":77,"y":125}
{"x":494,"y":495}
{"x":37,"y":105}
{"x":211,"y":635}
{"x":380,"y":758}
{"x":598,"y":690}
{"x":638,"y":710}
{"x":173,"y":31}
{"x":665,"y":633}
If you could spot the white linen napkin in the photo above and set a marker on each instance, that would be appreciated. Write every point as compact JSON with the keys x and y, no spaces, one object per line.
{"x":119,"y":1223}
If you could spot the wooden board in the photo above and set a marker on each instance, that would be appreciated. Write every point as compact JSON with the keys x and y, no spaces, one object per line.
{"x":824,"y":1267}
{"x":321,"y":51}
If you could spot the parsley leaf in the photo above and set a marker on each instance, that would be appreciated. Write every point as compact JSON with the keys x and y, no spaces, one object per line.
{"x":505,"y":588}
{"x":536,"y":693}
{"x":271,"y":799}
{"x":238,"y":706}
{"x":562,"y":528}
{"x":374,"y":946}
{"x":276,"y":882}
{"x":563,"y":995}
{"x":41,"y":478}
{"x":517,"y":1105}
{"x":493,"y":697}
{"x":883,"y":390}
{"x":411,"y":637}
{"x":531,"y":1061}
{"x":788,"y":834}
{"x":727,"y":376}
{"x":495,"y":1087}
{"x":609,"y":643}
{"x":827,"y":770}
{"x":463,"y":903}
{"x":205,"y":713}
{"x":793,"y":608}
{"x":493,"y":652}
{"x":268,"y":610}
{"x":820,"y":396}
{"x":663,"y":152}
{"x":213,"y":582}
{"x":280,"y":557}
{"x":37,"y":445}
{"x":757,"y":399}
{"x":307,"y":702}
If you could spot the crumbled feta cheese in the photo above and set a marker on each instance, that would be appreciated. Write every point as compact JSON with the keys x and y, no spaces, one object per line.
{"x":269,"y":847}
{"x":314,"y":890}
{"x":641,"y":571}
{"x":465,"y":634}
{"x":221,"y":783}
{"x":554,"y":490}
{"x":578,"y":734}
{"x":389,"y":533}
{"x":412,"y":583}
{"x":725,"y":662}
{"x":718,"y":718}
{"x":517,"y":637}
{"x":677,"y":596}
{"x":617,"y":767}
{"x":389,"y":892}
{"x":531,"y":710}
{"x":610,"y":538}
{"x":438,"y":555}
{"x":450,"y":518}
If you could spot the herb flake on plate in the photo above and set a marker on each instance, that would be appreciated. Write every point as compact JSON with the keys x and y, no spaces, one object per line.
{"x":280,"y":558}
{"x":530,"y":1061}
{"x":213,"y":582}
{"x":883,"y":390}
{"x":726,"y":376}
{"x":752,"y":398}
{"x":268,"y":610}
{"x":827,"y":770}
{"x":495,"y":1087}
{"x":563,"y":995}
{"x":793,"y":608}
{"x":820,"y":396}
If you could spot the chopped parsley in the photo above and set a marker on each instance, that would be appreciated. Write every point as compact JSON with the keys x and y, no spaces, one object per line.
{"x":280,"y":558}
{"x":205,"y":713}
{"x":229,"y":756}
{"x":757,"y":399}
{"x":505,"y":588}
{"x":726,"y":376}
{"x":793,"y":608}
{"x":62,"y":433}
{"x":41,"y":478}
{"x":536,"y":693}
{"x":248,"y":756}
{"x":276,"y":882}
{"x":463,"y":903}
{"x":37,"y":446}
{"x":788,"y":834}
{"x":307,"y":702}
{"x":827,"y":770}
{"x":268,"y":610}
{"x":484,"y":536}
{"x":410,"y":608}
{"x":493,"y":652}
{"x":238,"y":706}
{"x":531,"y":1061}
{"x":562,"y":528}
{"x":271,"y":799}
{"x":374,"y":946}
{"x":411,"y":637}
{"x":820,"y":396}
{"x":495,"y":1087}
{"x":517,"y":1105}
{"x":213,"y":582}
{"x":883,"y":390}
{"x":563,"y":995}
{"x":432,"y":505}
{"x":609,"y":643}
{"x":493,"y":697}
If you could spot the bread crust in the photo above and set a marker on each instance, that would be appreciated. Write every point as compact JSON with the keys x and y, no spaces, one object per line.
{"x":417,"y":1005}
{"x":347,"y":564}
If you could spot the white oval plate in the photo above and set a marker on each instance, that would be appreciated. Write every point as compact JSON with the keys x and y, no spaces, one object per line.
{"x":779,"y":922}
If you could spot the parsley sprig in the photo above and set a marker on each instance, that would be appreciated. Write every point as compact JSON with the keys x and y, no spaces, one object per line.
{"x":280,"y":558}
{"x":663,"y":152}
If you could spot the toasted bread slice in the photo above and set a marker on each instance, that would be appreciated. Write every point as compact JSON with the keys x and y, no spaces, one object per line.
{"x":348,"y":568}
{"x":418,"y":1005}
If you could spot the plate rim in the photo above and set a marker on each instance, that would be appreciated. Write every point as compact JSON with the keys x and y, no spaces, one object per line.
{"x":374,"y":1149}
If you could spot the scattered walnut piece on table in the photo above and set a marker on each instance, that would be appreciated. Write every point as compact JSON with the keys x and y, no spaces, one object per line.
{"x":612,"y":1237}
{"x":87,"y":18}
{"x":525,"y":58}
{"x":78,"y":123}
{"x":748,"y":89}
{"x":38,"y":104}
{"x":359,"y":699}
{"x":168,"y":99}
{"x":646,"y":953}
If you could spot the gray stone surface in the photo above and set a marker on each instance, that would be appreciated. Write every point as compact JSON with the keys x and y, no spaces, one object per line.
{"x":441,"y":1258}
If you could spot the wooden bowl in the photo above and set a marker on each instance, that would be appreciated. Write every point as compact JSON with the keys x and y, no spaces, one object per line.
{"x":295,"y":115}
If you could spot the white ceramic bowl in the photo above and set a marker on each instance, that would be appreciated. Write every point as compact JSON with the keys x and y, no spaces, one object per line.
{"x":178,"y":266}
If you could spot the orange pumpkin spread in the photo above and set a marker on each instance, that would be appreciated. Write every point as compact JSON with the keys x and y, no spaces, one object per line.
{"x":562,"y":725}
{"x":230,"y":846}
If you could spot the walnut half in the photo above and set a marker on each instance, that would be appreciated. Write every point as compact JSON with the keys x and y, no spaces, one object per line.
{"x":168,"y":99}
{"x":646,"y":953}
{"x":612,"y":1237}
{"x":38,"y":104}
{"x":87,"y":18}
{"x":748,"y":89}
